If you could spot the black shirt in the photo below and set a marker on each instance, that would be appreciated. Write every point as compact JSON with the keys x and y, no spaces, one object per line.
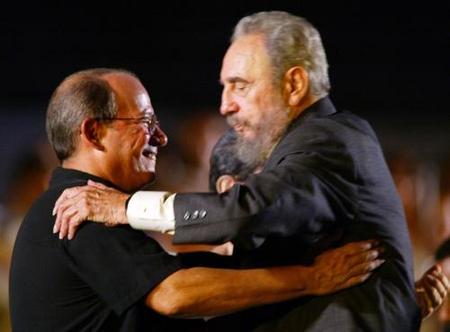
{"x":96,"y":282}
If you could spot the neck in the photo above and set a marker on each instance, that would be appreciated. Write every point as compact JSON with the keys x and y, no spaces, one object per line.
{"x":305,"y":103}
{"x":86,"y":163}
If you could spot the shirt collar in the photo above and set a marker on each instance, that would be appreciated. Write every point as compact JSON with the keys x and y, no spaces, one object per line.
{"x":68,"y":177}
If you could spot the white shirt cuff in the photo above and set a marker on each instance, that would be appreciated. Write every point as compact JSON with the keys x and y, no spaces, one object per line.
{"x":152,"y":211}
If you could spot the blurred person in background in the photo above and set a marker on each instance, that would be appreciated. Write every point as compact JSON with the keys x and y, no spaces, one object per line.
{"x":416,"y":182}
{"x":444,"y":202}
{"x":28,"y":178}
{"x":442,"y":253}
{"x":411,"y":183}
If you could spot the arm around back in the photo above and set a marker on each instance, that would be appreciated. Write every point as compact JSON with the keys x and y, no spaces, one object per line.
{"x":199,"y":291}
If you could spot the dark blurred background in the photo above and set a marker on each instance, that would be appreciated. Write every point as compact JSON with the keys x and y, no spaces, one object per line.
{"x":389,"y":62}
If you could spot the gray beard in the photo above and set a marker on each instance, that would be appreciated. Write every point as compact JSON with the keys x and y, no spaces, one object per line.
{"x":251,"y":153}
{"x":254,"y":153}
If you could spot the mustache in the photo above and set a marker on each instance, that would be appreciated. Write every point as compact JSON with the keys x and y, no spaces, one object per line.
{"x":233,"y":120}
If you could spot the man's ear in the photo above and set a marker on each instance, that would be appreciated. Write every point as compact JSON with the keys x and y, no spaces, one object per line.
{"x":224,"y":183}
{"x":92,"y":132}
{"x":296,"y":84}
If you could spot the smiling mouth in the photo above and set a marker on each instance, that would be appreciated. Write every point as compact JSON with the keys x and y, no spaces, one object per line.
{"x":149,"y":153}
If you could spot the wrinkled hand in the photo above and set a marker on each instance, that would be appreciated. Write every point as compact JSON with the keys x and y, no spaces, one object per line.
{"x":431,"y":290}
{"x":346,"y":266}
{"x":95,"y":202}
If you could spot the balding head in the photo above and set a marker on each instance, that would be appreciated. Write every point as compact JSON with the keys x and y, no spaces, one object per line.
{"x":85,"y":94}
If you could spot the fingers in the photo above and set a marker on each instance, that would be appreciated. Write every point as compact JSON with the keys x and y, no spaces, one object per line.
{"x":364,"y":268}
{"x":74,"y":222}
{"x":358,"y":263}
{"x":359,"y":252}
{"x":435,"y":277}
{"x":65,"y":219}
{"x":97,"y":184}
{"x":63,"y":225}
{"x":71,"y":210}
{"x":69,"y":217}
{"x":68,"y":193}
{"x":75,"y":191}
{"x":438,"y":287}
{"x":358,"y":274}
{"x":357,"y":247}
{"x":67,"y":198}
{"x":354,"y":258}
{"x":356,"y":251}
{"x":365,"y":257}
{"x":59,"y":211}
{"x":439,"y":274}
{"x":434,"y":289}
{"x":94,"y":202}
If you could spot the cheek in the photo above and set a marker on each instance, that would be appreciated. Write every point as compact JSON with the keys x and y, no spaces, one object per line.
{"x":137,"y":140}
{"x":258,"y":106}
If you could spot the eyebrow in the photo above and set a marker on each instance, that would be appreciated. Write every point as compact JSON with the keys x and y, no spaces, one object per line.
{"x":234,"y":79}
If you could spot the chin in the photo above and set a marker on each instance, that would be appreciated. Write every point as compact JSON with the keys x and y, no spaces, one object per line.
{"x":249,"y":136}
{"x":143,"y":180}
{"x":146,"y":165}
{"x":148,"y":177}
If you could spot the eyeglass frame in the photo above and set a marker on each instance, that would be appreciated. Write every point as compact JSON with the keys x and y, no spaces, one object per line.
{"x":151,"y":122}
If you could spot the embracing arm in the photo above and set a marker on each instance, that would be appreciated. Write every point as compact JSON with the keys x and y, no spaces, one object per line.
{"x":292,"y":194}
{"x":297,"y":197}
{"x":200,"y":291}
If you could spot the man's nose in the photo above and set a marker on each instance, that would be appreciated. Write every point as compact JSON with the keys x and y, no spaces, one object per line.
{"x":159,"y":137}
{"x":228,"y":105}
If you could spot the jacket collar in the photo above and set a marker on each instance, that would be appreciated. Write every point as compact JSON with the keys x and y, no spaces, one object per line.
{"x":321,"y":108}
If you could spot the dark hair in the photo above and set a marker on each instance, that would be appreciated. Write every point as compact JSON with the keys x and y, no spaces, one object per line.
{"x":84,"y":94}
{"x":443,"y":251}
{"x":224,"y":160}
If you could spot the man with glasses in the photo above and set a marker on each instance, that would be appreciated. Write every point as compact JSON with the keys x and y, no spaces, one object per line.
{"x":102,"y":127}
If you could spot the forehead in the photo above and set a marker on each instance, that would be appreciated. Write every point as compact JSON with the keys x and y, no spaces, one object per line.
{"x":246,"y":58}
{"x":132,"y":97}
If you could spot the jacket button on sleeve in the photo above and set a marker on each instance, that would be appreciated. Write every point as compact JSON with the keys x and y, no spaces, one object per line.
{"x":202,"y":214}
{"x":187,"y":216}
{"x":195,"y":214}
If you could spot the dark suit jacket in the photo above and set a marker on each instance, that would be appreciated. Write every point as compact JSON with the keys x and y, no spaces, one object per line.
{"x":326,"y":183}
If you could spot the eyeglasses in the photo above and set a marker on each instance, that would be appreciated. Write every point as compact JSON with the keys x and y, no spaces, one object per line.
{"x":151,"y":122}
